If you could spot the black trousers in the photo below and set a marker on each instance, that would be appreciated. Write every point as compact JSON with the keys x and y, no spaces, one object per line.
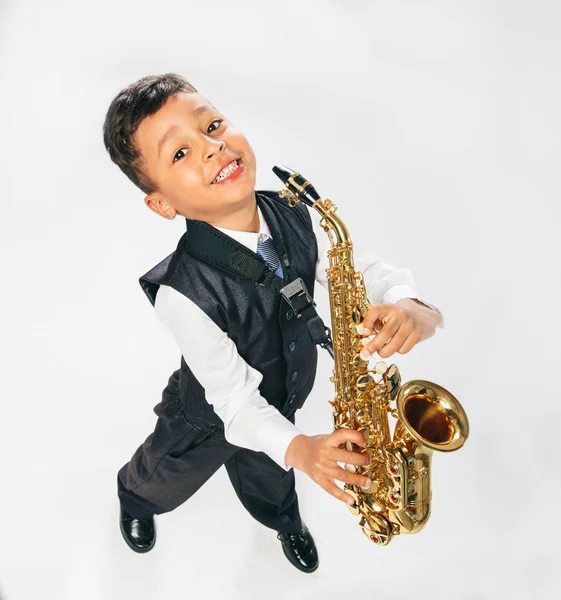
{"x":181,"y":454}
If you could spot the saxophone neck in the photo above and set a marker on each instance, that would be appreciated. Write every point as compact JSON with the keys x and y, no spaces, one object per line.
{"x":331,"y":222}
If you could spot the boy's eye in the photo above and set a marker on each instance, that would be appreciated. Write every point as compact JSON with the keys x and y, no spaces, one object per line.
{"x":215,"y":121}
{"x":180,"y":150}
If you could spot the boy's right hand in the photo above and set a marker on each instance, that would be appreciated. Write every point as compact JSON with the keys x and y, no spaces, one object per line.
{"x":318,"y":455}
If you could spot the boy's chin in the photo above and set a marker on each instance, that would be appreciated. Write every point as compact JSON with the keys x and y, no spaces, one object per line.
{"x":235,"y":190}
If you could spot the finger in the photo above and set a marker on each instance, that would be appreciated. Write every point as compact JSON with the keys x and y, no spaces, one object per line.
{"x":342,"y":435}
{"x":413,"y":339}
{"x":347,"y":477}
{"x":397,"y":340}
{"x":375,"y":312}
{"x":378,"y":324}
{"x":339,"y":455}
{"x":330,"y":486}
{"x":386,"y":333}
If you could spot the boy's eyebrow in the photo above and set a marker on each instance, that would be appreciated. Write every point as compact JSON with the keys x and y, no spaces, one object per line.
{"x":169,"y":133}
{"x":167,"y":136}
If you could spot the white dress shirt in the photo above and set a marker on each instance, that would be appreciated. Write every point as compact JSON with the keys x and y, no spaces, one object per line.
{"x":249,"y":420}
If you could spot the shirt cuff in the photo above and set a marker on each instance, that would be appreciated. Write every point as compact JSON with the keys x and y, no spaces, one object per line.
{"x":397,"y":292}
{"x":432,"y":307}
{"x":275,"y":435}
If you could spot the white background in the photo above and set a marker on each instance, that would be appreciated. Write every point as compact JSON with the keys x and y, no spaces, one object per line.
{"x":435,"y":127}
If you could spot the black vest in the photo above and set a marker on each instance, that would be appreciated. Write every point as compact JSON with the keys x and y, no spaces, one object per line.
{"x":260,"y":322}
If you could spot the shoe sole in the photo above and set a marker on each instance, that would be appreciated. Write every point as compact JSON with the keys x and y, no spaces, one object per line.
{"x":131,"y":545}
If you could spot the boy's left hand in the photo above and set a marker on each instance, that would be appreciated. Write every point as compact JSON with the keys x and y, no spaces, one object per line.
{"x":404,"y":324}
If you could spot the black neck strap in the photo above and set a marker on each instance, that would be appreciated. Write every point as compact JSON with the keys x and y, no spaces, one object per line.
{"x":209,"y":244}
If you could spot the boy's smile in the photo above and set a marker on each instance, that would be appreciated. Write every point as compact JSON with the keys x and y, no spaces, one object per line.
{"x":205,"y":168}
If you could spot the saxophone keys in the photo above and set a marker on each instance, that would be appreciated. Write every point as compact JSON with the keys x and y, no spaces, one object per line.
{"x":357,"y":316}
{"x":363,"y":418}
{"x":364,"y":383}
{"x":393,"y":381}
{"x":394,"y":500}
{"x":367,"y":433}
{"x":372,"y":501}
{"x":358,"y":362}
{"x":398,"y":473}
{"x":378,"y":529}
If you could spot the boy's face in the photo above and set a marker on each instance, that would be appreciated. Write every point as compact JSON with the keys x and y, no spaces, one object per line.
{"x":186,"y":164}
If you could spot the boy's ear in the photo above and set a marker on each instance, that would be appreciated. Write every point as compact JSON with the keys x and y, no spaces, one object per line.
{"x":157,"y":203}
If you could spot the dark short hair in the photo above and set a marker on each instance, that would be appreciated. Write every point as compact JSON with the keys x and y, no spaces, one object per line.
{"x":127,"y":110}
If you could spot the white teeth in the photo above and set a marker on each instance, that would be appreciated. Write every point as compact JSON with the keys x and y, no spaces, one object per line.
{"x":227,"y":170}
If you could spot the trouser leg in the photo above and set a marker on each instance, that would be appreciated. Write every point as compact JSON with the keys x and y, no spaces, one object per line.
{"x":265,"y":489}
{"x":173,"y":462}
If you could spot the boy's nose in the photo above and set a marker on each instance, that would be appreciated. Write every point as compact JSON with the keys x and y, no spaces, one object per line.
{"x":217,"y":146}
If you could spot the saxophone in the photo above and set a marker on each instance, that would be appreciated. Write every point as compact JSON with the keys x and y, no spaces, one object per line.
{"x":428,"y":416}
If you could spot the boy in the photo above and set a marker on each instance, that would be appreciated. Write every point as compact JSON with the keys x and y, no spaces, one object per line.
{"x":246,"y":364}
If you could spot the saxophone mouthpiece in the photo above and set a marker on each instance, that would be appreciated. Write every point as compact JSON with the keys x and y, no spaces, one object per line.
{"x":282,"y":172}
{"x":297,"y":184}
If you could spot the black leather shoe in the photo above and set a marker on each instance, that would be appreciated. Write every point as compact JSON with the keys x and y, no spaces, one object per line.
{"x":300,"y":549}
{"x":139,"y":534}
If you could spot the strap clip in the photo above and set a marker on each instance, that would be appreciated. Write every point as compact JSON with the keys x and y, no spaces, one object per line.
{"x":328,"y":343}
{"x":297,"y":295}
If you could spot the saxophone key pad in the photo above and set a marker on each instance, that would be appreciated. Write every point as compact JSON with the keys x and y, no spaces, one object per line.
{"x":364,"y":383}
{"x":358,"y":362}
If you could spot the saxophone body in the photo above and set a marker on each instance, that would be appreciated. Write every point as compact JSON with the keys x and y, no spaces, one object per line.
{"x":427,"y":416}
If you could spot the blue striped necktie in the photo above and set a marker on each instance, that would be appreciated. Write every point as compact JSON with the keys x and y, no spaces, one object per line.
{"x":267,"y":253}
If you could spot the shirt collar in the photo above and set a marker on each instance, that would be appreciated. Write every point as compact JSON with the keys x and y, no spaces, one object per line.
{"x":248,"y":238}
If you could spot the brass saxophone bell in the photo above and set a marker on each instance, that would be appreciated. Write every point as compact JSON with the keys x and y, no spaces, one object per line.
{"x":432,"y":415}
